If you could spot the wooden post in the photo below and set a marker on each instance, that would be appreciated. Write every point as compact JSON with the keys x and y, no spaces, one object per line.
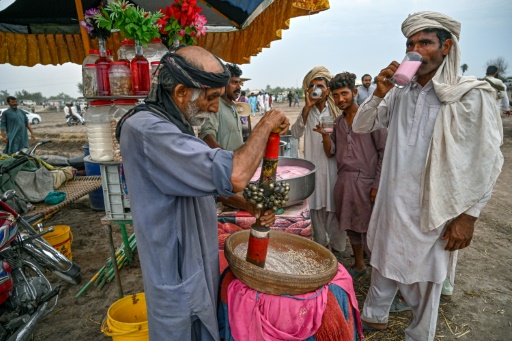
{"x":83,"y":32}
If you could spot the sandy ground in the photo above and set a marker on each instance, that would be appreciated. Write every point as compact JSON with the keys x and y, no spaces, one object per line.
{"x":483,"y":294}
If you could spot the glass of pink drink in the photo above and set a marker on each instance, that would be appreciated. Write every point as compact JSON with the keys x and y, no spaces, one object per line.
{"x":407,"y":69}
{"x":327,"y":123}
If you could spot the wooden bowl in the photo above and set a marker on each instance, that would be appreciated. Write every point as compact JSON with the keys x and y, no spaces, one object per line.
{"x":275,"y":283}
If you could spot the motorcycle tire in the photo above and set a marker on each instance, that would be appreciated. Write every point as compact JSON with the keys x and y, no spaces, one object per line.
{"x":69,"y":123}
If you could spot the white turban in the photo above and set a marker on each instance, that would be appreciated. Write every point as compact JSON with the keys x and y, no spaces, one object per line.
{"x":416,"y":22}
{"x":321,"y":72}
{"x":464,"y":159}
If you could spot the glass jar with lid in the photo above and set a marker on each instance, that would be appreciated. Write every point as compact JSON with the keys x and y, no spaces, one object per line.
{"x":127,"y":50}
{"x":155,"y":50}
{"x":98,"y":131}
{"x":88,"y":60}
{"x":120,"y":107}
{"x":90,"y":85}
{"x":120,"y":79}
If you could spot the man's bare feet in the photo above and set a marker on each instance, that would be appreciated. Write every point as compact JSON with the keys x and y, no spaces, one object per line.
{"x":376,"y":326}
{"x":446,"y":298}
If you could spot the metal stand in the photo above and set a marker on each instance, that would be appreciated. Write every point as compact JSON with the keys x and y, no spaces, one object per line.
{"x":108,"y":231}
{"x":126,"y":245}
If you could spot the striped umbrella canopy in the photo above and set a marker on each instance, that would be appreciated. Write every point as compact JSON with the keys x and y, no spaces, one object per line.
{"x":47,"y":32}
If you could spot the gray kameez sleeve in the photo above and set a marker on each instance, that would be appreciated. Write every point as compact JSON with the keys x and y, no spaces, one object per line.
{"x":372,"y":115}
{"x":210,"y":127}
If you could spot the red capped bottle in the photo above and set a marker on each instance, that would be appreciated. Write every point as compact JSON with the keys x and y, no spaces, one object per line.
{"x":141,"y":81}
{"x":103,"y":64}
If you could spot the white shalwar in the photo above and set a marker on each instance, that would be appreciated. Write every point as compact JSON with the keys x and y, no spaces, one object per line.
{"x":325,"y":224}
{"x":401,"y":253}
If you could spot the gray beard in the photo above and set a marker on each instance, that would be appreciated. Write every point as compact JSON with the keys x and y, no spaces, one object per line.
{"x":194,"y":116}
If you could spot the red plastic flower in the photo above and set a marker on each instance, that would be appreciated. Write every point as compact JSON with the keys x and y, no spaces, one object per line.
{"x":182,"y":20}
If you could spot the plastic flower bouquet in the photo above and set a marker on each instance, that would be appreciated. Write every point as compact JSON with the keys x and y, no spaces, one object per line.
{"x":91,"y":22}
{"x":133,"y":22}
{"x":181,"y":22}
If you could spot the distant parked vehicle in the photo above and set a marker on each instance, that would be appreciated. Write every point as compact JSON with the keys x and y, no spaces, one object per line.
{"x":32,"y":117}
{"x":28,"y":102}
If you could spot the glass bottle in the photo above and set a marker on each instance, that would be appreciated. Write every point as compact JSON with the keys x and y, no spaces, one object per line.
{"x":140,"y":72}
{"x":102,"y":66}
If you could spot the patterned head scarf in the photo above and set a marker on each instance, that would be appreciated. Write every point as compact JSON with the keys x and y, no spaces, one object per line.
{"x":173,"y":70}
{"x":416,"y":22}
{"x":321,"y":72}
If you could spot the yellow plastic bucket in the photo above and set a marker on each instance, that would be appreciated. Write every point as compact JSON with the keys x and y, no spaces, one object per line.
{"x":61,"y":239}
{"x":127,"y":319}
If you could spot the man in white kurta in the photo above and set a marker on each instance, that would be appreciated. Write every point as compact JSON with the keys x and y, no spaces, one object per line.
{"x":442,"y":159}
{"x":261,"y":103}
{"x":321,"y":201}
{"x":491,"y":76}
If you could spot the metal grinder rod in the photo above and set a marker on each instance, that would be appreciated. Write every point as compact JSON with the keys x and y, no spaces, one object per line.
{"x":259,"y":237}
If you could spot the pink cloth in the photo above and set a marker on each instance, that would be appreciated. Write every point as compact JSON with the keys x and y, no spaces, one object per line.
{"x":254,"y":316}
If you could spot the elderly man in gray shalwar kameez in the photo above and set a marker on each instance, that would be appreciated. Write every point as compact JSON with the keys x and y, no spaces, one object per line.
{"x":172,"y":177}
{"x":441,"y":162}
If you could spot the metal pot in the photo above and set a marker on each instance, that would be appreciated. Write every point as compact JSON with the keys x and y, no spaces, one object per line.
{"x":283,"y":147}
{"x":301,"y":186}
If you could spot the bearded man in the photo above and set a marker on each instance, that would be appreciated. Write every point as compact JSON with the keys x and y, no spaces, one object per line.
{"x":224,"y":128}
{"x":441,"y":162}
{"x":321,"y":201}
{"x":173,"y":178}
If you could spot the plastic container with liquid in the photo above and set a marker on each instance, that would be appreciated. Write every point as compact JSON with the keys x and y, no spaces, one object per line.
{"x":98,"y":131}
{"x":120,"y":107}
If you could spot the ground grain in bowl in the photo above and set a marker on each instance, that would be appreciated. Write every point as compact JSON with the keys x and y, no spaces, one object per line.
{"x":292,"y":262}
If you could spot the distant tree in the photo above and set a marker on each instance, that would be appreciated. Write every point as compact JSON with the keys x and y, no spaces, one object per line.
{"x":464,"y":68}
{"x":3,"y":95}
{"x":34,"y":96}
{"x":501,"y":64}
{"x":80,"y":88}
{"x":23,"y":94}
{"x":62,"y":96}
{"x":268,"y":88}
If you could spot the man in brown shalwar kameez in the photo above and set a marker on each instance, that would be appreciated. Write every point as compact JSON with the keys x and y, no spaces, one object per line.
{"x":359,"y":160}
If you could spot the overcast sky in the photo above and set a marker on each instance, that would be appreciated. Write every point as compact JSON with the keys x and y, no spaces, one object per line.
{"x":360,"y":36}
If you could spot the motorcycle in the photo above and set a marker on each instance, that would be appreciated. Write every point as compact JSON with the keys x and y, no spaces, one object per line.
{"x":72,"y":120}
{"x":25,"y":293}
{"x":54,"y":160}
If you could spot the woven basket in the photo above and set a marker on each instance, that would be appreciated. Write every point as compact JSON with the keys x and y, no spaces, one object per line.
{"x":275,"y":283}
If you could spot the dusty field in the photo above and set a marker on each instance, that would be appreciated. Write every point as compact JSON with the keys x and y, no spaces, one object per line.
{"x":483,"y":294}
